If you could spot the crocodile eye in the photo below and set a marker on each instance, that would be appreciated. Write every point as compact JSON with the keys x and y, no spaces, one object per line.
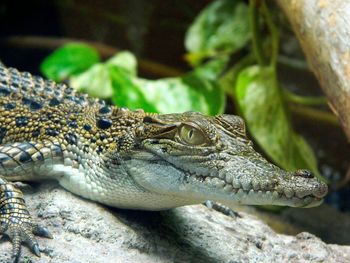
{"x":191,"y":135}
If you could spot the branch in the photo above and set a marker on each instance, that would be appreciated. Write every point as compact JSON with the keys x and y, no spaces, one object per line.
{"x":323,"y":30}
{"x":106,"y":51}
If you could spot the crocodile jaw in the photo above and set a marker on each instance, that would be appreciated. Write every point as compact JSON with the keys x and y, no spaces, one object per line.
{"x":239,"y":181}
{"x":169,"y":182}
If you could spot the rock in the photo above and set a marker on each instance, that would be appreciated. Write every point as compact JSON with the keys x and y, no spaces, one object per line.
{"x":88,"y":232}
{"x":332,"y":226}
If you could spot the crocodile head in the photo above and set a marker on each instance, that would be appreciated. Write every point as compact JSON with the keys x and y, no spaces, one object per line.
{"x":201,"y":158}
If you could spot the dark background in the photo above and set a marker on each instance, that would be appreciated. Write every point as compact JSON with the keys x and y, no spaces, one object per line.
{"x":150,"y":29}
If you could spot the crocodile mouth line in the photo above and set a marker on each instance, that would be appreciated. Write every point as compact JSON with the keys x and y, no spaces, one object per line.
{"x":267,"y":191}
{"x":231,"y":189}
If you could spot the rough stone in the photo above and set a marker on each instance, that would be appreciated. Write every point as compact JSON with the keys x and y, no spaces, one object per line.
{"x":87,"y":232}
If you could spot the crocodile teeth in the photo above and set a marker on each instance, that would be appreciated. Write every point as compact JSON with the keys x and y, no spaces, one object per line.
{"x":217,"y":182}
{"x":270,"y":185}
{"x":256,"y":185}
{"x":288,"y":192}
{"x":236,"y":184}
{"x":279,"y":190}
{"x":229,"y":178}
{"x":300,"y":193}
{"x":228,"y":188}
{"x":275,"y":195}
{"x":246,"y":185}
{"x":308,"y":199}
{"x":265,"y":185}
{"x":240,"y":192}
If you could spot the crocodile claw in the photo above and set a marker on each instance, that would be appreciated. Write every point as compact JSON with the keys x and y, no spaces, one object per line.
{"x":222,"y":209}
{"x":23,"y":232}
{"x":36,"y":250}
{"x":42,"y":232}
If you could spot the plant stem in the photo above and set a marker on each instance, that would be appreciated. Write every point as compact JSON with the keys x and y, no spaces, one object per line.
{"x":49,"y":43}
{"x":318,"y":116}
{"x":256,"y":40}
{"x":273,"y":31}
{"x":308,"y":101}
{"x":293,"y":63}
{"x":228,"y":79}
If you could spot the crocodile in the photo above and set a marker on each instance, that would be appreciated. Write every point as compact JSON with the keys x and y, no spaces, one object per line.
{"x":128,"y":158}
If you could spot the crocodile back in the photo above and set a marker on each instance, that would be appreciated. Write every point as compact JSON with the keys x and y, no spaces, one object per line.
{"x":34,"y":109}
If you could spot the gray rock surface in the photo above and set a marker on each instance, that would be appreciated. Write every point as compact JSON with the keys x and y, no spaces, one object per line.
{"x":87,"y":232}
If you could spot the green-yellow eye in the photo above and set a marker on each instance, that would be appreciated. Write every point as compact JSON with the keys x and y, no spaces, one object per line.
{"x":191,"y":135}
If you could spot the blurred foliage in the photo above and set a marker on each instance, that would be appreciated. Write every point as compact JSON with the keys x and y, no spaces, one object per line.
{"x":221,"y":28}
{"x":224,"y":31}
{"x":69,"y":60}
{"x":259,"y":100}
{"x":116,"y":78}
{"x":191,"y":91}
{"x":97,"y":81}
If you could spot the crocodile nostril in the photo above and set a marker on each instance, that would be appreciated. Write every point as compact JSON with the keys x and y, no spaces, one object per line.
{"x":304,"y":173}
{"x":321,"y":191}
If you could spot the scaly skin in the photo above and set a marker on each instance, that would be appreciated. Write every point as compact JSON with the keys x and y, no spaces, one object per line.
{"x":128,"y":159}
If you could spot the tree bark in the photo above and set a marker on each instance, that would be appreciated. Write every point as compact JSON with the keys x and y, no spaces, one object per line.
{"x":323,"y":30}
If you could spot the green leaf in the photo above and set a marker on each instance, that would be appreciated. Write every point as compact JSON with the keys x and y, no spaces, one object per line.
{"x":228,"y":80}
{"x":125,"y":60}
{"x":222,"y":27}
{"x":261,"y":105}
{"x":117,"y":79}
{"x":126,"y":92}
{"x":169,"y":95}
{"x":68,"y":60}
{"x":195,"y":91}
{"x":96,"y":81}
{"x":212,"y":69}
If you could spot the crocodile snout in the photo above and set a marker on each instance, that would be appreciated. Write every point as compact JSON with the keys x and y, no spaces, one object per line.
{"x":315,"y":187}
{"x":321,"y":190}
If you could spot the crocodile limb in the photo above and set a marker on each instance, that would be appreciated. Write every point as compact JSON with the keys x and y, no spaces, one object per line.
{"x":221,"y":208}
{"x":129,"y":159}
{"x":16,"y":222}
